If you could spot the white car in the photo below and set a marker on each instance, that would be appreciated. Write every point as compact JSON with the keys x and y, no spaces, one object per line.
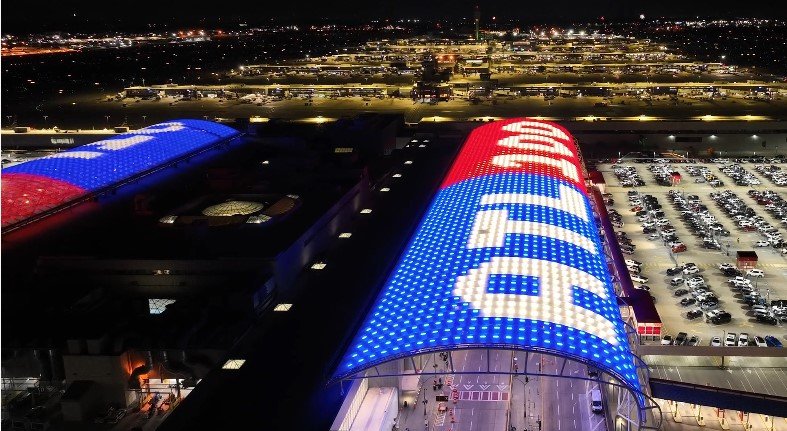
{"x":696,"y":283}
{"x":730,"y":340}
{"x":725,"y":265}
{"x":762,"y":244}
{"x":739,"y":281}
{"x":666,"y":340}
{"x":743,"y":339}
{"x":715,"y":341}
{"x":641,"y":279}
{"x":632,"y":262}
{"x":691,"y":270}
{"x":755,"y":273}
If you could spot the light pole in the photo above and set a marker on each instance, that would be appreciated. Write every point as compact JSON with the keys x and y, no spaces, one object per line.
{"x":143,"y":119}
{"x":45,"y":122}
{"x":107,"y":117}
{"x":524,"y":397}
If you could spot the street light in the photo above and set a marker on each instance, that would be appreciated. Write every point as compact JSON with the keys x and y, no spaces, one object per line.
{"x":107,"y":117}
{"x":45,"y":122}
{"x":524,"y":396}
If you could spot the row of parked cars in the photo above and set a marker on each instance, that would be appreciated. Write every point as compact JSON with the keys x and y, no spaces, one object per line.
{"x":732,"y":339}
{"x":662,"y":172}
{"x":774,"y":173}
{"x":699,"y":221}
{"x":746,"y":218}
{"x":773,"y":203}
{"x":627,"y":176}
{"x":740,"y":176}
{"x":703,"y":174}
{"x":742,"y":286}
{"x":655,"y":225}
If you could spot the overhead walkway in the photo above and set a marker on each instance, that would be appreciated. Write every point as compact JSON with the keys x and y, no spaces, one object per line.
{"x":723,"y":398}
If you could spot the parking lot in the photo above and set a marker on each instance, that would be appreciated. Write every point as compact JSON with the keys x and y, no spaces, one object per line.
{"x":714,"y":216}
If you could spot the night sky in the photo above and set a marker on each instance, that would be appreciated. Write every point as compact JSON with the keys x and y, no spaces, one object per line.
{"x":32,"y":16}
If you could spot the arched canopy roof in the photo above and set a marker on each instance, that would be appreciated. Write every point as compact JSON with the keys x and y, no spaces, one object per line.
{"x":507,"y":256}
{"x":36,"y":186}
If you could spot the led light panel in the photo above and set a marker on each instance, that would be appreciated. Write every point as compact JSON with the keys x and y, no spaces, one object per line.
{"x":507,"y":256}
{"x":38,"y":185}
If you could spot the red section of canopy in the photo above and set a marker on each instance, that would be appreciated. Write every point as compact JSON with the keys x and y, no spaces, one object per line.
{"x":25,"y":195}
{"x":475,"y":158}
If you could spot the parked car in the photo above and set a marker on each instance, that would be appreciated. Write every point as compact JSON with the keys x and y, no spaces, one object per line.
{"x":772,"y":341}
{"x":639,"y":278}
{"x":666,"y":340}
{"x":677,"y":281}
{"x":681,"y":292}
{"x":767,"y":319}
{"x":715,"y":341}
{"x":680,"y":339}
{"x":687,"y":301}
{"x":731,"y":339}
{"x":755,"y":273}
{"x":743,"y":339}
{"x":675,"y":270}
{"x":693,"y":314}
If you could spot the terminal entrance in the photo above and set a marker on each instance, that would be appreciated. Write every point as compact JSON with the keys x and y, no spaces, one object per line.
{"x":485,"y":389}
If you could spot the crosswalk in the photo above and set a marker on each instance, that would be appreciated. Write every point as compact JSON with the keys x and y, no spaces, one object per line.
{"x":483,"y":395}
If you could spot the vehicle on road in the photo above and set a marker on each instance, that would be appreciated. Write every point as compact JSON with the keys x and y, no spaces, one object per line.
{"x":595,"y":401}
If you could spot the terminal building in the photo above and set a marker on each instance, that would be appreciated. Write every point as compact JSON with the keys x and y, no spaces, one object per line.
{"x":195,"y":275}
{"x":151,"y":253}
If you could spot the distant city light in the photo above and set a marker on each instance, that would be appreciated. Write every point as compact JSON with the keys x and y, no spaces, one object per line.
{"x":233,"y":364}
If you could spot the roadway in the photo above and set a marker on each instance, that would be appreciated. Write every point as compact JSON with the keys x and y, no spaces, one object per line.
{"x":760,"y":380}
{"x":488,"y":401}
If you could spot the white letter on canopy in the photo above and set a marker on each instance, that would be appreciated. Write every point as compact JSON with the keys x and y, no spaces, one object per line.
{"x":568,"y":200}
{"x":535,"y":142}
{"x":517,"y":160}
{"x":536,"y":128}
{"x":553,"y":304}
{"x":491,"y":226}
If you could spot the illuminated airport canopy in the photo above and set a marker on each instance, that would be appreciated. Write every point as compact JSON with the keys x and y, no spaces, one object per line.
{"x":507,"y":256}
{"x":39,"y":185}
